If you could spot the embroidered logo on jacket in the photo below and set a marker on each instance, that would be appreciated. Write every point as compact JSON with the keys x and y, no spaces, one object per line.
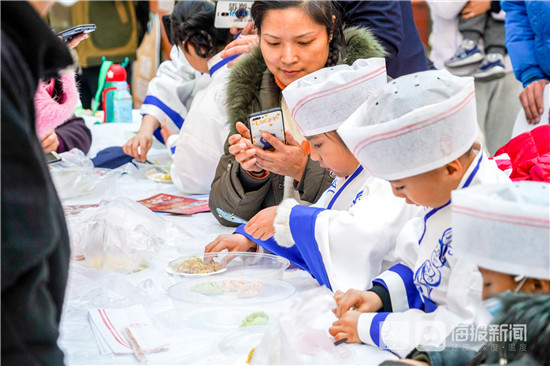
{"x":428,"y":275}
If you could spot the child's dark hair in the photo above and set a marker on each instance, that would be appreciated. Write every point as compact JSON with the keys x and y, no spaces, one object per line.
{"x":322,"y":12}
{"x":192,"y":22}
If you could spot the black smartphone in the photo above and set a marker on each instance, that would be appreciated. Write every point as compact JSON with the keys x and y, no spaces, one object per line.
{"x":270,"y":121}
{"x":52,"y":157}
{"x":70,"y":33}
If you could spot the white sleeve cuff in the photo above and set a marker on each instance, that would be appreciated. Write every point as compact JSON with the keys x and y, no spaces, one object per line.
{"x":172,"y":142}
{"x":363,"y":328}
{"x":281,"y":224}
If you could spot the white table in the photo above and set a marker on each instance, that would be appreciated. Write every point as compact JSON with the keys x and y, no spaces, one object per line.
{"x":89,"y":288}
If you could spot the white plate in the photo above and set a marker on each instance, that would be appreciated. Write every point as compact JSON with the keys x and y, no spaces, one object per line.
{"x":171,"y":271}
{"x":221,"y":319}
{"x":241,"y":341}
{"x":271,"y":291}
{"x":159,"y":177}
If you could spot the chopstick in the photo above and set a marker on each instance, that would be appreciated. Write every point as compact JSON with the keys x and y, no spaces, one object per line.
{"x":343,"y":340}
{"x":138,"y":352}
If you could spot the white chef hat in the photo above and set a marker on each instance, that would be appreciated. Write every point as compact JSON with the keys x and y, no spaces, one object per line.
{"x":504,"y":227}
{"x":417,"y":123}
{"x":321,"y":101}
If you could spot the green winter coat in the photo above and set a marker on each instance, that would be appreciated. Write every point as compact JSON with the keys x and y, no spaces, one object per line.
{"x":235,"y":196}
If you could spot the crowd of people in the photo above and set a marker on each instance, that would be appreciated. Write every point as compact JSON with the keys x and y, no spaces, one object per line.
{"x":398,"y":185}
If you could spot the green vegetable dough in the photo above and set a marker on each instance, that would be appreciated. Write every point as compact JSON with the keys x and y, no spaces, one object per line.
{"x":208,"y":288}
{"x":257,"y":318}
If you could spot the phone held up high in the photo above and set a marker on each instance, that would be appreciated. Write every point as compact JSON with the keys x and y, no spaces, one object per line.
{"x":269,"y":121}
{"x":233,"y":13}
{"x":70,"y":33}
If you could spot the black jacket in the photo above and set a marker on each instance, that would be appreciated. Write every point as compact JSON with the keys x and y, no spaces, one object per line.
{"x":35,"y":242}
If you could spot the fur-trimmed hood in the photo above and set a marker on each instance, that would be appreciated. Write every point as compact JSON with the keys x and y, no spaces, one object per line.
{"x":245,"y":81}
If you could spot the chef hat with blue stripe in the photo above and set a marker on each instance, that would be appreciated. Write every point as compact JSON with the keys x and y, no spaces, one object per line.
{"x":504,"y":227}
{"x":321,"y":101}
{"x":417,"y":123}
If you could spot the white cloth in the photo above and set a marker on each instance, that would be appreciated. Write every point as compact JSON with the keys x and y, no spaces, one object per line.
{"x":445,"y":39}
{"x":356,"y":235}
{"x":322,"y":100}
{"x":504,"y":227}
{"x":521,"y":125}
{"x":430,"y":273}
{"x":171,"y":91}
{"x":419,"y":122}
{"x":202,"y":136}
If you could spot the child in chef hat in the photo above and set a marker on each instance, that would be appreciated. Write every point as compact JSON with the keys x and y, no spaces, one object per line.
{"x":330,"y":240}
{"x":504,"y":229}
{"x":419,"y":134}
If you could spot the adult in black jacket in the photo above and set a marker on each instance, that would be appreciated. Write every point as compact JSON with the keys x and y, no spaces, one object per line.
{"x":35,"y":242}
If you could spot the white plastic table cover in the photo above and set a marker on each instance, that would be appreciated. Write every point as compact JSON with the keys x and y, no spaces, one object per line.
{"x":198,"y":334}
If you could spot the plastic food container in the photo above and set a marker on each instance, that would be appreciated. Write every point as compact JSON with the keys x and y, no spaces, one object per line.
{"x":230,"y":264}
{"x":231,"y":291}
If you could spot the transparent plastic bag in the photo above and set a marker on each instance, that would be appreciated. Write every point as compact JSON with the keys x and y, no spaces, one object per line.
{"x":121,"y":235}
{"x":295,"y":339}
{"x":75,"y":175}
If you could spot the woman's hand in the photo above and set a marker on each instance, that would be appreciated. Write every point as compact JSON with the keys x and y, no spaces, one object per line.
{"x":245,"y":43}
{"x":362,"y":301}
{"x":475,"y":7}
{"x":289,"y":160}
{"x":243,"y":149}
{"x":261,"y":225}
{"x":231,"y":242}
{"x":76,"y":40}
{"x":50,"y":142}
{"x":346,"y":327}
{"x":531,"y":101}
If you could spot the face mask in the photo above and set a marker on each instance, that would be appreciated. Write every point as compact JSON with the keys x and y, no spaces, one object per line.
{"x":67,"y":2}
{"x":494,"y":305}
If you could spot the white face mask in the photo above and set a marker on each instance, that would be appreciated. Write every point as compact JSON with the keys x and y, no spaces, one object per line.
{"x":494,"y":304}
{"x":67,"y":2}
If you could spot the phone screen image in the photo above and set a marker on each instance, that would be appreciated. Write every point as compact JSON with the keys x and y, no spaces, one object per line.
{"x":52,"y":157}
{"x":233,"y":14}
{"x":269,"y":121}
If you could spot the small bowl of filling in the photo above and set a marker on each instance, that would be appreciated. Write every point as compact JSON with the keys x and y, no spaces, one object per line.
{"x":234,"y":264}
{"x":194,"y":266}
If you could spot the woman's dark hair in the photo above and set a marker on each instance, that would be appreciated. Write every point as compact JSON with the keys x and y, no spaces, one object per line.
{"x":192,"y":22}
{"x":321,"y":12}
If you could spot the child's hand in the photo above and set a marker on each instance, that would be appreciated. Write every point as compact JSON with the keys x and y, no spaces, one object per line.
{"x":50,"y":142}
{"x":242,"y":148}
{"x":346,"y":327}
{"x":165,"y":131}
{"x":261,"y":225}
{"x":231,"y":242}
{"x":363,"y":301}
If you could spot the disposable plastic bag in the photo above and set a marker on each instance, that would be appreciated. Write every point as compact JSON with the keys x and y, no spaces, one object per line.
{"x":75,"y":175}
{"x":121,"y":235}
{"x":295,"y":338}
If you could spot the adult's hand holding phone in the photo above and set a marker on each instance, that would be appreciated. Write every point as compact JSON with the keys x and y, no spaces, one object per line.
{"x":243,"y":149}
{"x":288,"y":159}
{"x":76,"y":40}
{"x":50,"y":142}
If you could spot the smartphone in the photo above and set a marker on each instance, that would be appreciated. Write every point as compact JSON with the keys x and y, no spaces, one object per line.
{"x":52,"y":157}
{"x":270,"y":121}
{"x":233,"y":14}
{"x":70,"y":33}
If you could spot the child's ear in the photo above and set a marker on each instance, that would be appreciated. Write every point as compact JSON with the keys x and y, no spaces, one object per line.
{"x":455,"y":170}
{"x":537,"y":286}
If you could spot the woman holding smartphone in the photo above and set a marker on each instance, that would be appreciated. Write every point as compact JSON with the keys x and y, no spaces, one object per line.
{"x":296,"y":38}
